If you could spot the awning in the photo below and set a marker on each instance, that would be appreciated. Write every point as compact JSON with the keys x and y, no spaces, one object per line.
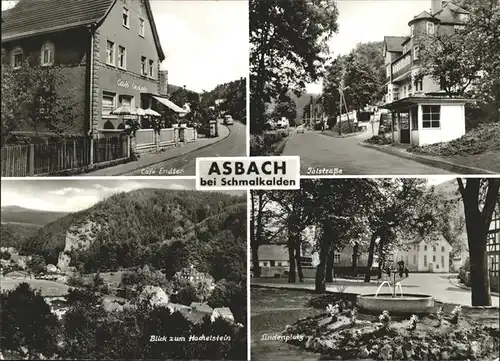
{"x":170,"y":104}
{"x":411,"y":101}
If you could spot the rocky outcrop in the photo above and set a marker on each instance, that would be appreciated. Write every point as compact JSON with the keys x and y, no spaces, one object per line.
{"x":77,"y":238}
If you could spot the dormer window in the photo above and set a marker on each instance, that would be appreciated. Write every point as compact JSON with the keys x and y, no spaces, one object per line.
{"x":47,"y":54}
{"x":430,"y":28}
{"x":17,"y":58}
{"x":126,"y":18}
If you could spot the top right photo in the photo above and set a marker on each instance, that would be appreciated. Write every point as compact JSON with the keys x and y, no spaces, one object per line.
{"x":377,"y":87}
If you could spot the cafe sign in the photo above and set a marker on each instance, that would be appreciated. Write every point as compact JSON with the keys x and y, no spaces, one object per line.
{"x":125,"y":84}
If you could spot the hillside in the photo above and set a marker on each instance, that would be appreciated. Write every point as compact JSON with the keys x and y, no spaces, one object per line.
{"x":14,"y":234}
{"x":128,"y":229}
{"x":16,"y":214}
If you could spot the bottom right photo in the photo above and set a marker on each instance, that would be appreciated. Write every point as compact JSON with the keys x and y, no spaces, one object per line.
{"x":376,"y":269}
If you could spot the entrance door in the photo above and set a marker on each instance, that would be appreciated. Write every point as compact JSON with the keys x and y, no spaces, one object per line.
{"x":404,"y":121}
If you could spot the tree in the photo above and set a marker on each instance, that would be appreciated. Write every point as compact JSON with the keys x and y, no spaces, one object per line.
{"x":479,"y":197}
{"x":288,"y":48}
{"x":448,"y":60}
{"x":285,"y":107}
{"x":259,"y":201}
{"x":31,"y":99}
{"x":27,"y":321}
{"x":36,"y":264}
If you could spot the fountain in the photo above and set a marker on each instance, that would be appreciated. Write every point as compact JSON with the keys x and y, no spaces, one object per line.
{"x":402,"y":304}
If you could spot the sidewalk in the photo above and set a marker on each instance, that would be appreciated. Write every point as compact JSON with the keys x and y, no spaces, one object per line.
{"x":150,"y":159}
{"x":456,"y":164}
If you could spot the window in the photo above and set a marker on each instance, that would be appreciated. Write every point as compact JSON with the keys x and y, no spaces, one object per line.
{"x":272,"y":263}
{"x":150,"y":68}
{"x":121,"y":57}
{"x":412,"y":27}
{"x":110,"y":53}
{"x":430,"y":28}
{"x":442,"y":261}
{"x":419,"y":85}
{"x":414,"y":259}
{"x":425,"y":260}
{"x":433,"y":248}
{"x":415,"y":52}
{"x":17,"y":58}
{"x":143,"y":65}
{"x":108,"y":102}
{"x":431,"y":116}
{"x":433,"y":258}
{"x":126,"y":100}
{"x":336,"y":258}
{"x":425,"y":248}
{"x":126,"y":18}
{"x":47,"y":54}
{"x":442,"y":249}
{"x":141,"y":27}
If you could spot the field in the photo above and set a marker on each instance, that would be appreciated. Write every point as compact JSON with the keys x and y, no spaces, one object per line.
{"x":47,"y":288}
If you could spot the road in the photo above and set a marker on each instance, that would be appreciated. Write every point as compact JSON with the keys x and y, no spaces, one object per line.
{"x":442,"y":287}
{"x":232,"y":146}
{"x":317,"y":150}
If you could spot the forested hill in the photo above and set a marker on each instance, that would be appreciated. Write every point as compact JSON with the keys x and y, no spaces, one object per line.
{"x":234,"y":95}
{"x":126,"y":229}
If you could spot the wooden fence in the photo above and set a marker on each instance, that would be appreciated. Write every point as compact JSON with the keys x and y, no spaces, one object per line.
{"x":54,"y":157}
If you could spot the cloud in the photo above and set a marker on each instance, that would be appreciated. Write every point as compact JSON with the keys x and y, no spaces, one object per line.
{"x":177,"y":186}
{"x":66,"y":191}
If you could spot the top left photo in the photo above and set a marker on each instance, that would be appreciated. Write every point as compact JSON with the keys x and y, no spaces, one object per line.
{"x":121,"y":87}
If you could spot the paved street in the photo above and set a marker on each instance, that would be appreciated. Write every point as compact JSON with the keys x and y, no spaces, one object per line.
{"x":322,"y":151}
{"x":442,"y":287}
{"x":231,"y":142}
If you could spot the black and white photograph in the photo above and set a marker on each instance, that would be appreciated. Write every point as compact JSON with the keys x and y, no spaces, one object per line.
{"x":121,"y":269}
{"x":121,"y":87}
{"x":377,"y":87}
{"x":376,"y":269}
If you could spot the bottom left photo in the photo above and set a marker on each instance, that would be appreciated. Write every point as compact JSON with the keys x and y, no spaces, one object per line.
{"x":122,"y":269}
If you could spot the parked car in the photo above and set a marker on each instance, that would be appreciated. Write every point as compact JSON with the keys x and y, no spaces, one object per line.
{"x":300,"y":129}
{"x":228,"y":120}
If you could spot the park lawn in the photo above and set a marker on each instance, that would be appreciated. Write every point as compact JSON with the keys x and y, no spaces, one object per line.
{"x":273,"y":309}
{"x":47,"y":288}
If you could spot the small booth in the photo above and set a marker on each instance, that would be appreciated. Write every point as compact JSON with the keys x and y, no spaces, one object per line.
{"x":427,"y":120}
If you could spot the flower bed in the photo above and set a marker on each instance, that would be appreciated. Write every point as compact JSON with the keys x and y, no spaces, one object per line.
{"x":443,"y":335}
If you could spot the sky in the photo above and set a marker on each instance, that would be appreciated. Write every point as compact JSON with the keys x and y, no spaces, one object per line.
{"x":72,"y":195}
{"x":205,"y":41}
{"x":361,"y":21}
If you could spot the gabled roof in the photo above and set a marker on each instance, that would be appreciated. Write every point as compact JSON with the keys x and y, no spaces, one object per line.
{"x":449,"y":14}
{"x":201,"y":307}
{"x":273,"y":252}
{"x":394,"y":43}
{"x":224,"y":311}
{"x":34,"y":17}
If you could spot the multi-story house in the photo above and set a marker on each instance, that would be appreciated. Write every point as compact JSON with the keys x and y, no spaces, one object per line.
{"x":422,"y":256}
{"x":109,"y":53}
{"x":421,"y":112}
{"x":493,"y":249}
